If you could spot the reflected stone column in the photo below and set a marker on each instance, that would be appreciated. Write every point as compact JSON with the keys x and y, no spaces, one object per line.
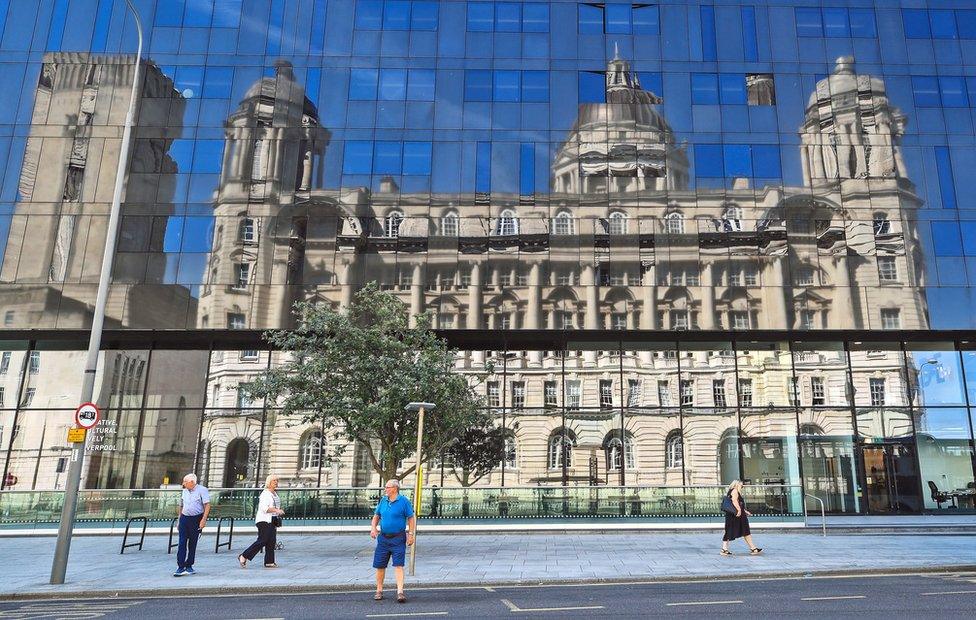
{"x":345,"y":284}
{"x":417,"y":294}
{"x":841,"y":310}
{"x":533,"y":318}
{"x":776,"y":296}
{"x":475,"y":310}
{"x":649,"y":310}
{"x":592,"y":317}
{"x":588,"y":280}
{"x":707,"y":298}
{"x":648,"y":318}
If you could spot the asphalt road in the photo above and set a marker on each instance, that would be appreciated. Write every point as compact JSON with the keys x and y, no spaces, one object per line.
{"x":924,"y":595}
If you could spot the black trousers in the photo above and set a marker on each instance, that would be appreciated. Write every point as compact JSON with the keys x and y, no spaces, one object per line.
{"x":267,"y":534}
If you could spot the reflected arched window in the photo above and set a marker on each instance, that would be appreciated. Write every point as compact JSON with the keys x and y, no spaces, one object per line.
{"x":391,"y":225}
{"x":257,"y":161}
{"x":811,"y":429}
{"x":507,"y":223}
{"x":310,"y":450}
{"x":562,"y":224}
{"x":511,"y":451}
{"x":613,"y":449}
{"x":732,"y":219}
{"x":618,"y":223}
{"x":812,"y":445}
{"x":561,"y":444}
{"x":449,"y":225}
{"x":674,"y":223}
{"x":882,"y":225}
{"x":248,"y":232}
{"x":674,"y":452}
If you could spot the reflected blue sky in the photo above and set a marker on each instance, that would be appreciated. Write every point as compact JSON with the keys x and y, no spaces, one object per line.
{"x":463,"y":97}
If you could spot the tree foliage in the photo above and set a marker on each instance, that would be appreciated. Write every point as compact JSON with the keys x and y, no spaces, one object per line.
{"x":479,"y":449}
{"x":355,"y":371}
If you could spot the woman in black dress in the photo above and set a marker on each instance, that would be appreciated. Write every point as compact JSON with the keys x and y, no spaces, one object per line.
{"x":737,"y":525}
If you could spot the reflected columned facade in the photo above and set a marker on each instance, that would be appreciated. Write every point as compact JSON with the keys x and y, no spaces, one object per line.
{"x":680,"y":277}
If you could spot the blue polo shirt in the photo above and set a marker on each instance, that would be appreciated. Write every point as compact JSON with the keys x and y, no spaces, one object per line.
{"x":194,"y":501}
{"x":394,"y":515}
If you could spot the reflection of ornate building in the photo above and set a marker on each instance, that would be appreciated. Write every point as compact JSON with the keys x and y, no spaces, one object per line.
{"x":50,"y":267}
{"x":54,"y":249}
{"x":621,"y":243}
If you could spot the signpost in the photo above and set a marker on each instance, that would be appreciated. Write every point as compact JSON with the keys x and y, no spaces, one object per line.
{"x":60,"y":565}
{"x":420,"y":408}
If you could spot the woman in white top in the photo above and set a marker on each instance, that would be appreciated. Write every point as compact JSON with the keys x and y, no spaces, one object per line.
{"x":268,"y":506}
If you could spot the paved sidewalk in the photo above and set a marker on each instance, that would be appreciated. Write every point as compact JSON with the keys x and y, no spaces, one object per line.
{"x":343,"y":561}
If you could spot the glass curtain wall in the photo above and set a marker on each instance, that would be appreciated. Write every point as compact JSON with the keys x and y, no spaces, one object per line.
{"x":865,"y":427}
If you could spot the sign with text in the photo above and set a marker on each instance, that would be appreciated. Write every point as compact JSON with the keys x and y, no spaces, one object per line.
{"x":76,"y":435}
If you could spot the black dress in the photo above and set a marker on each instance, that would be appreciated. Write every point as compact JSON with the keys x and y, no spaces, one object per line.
{"x":736,"y":526}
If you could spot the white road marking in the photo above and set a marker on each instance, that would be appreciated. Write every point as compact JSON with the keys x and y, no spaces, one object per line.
{"x":67,"y":609}
{"x":703,"y":603}
{"x":323,"y":591}
{"x":512,"y":607}
{"x":408,"y":614}
{"x":489,"y":589}
{"x":944,"y":593}
{"x":832,"y":598}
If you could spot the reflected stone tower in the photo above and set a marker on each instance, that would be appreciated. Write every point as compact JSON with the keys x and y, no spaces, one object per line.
{"x":624,"y":144}
{"x":851,"y":130}
{"x":54,"y":250}
{"x":862,"y":206}
{"x":273,"y":156}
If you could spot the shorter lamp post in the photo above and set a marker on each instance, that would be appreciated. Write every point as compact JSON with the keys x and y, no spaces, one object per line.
{"x":420,"y":408}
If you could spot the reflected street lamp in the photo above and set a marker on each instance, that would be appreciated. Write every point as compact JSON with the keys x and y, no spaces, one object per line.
{"x":73,"y":481}
{"x":420,"y":408}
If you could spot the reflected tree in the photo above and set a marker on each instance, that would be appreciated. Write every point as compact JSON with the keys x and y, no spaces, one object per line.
{"x":478,"y":451}
{"x":356,"y":370}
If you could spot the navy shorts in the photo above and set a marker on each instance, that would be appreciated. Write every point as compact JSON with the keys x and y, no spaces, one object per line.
{"x":386,"y":547}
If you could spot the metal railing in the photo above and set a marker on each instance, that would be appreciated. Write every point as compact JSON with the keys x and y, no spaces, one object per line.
{"x":823,"y":512}
{"x":142,"y":535}
{"x":230,"y":534}
{"x":111,"y":507}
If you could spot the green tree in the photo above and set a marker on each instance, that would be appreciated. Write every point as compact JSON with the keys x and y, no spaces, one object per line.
{"x":478,"y":451}
{"x":355,"y":371}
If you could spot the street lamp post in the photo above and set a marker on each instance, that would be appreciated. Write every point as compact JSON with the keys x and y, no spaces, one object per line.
{"x":418,"y":486}
{"x":73,"y":481}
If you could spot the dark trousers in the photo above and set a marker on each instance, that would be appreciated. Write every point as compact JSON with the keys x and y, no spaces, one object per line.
{"x":189,"y":534}
{"x":267,"y":535}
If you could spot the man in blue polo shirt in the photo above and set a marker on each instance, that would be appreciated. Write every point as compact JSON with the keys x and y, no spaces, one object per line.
{"x":393,"y":528}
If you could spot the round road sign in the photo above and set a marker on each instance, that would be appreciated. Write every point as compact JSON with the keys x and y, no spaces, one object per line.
{"x":87,"y":415}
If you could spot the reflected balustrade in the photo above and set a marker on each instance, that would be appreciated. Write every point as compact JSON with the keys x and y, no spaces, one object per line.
{"x":109,"y":508}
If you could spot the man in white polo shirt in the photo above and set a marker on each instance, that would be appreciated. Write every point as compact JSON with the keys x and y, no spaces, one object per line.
{"x":193,"y":510}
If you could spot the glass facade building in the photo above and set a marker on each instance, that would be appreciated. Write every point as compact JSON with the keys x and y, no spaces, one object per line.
{"x":698,"y":240}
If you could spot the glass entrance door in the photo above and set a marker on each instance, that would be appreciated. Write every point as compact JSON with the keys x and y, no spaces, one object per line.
{"x":891,"y":478}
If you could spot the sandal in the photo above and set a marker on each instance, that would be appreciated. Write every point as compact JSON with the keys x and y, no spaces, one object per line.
{"x":271,"y":566}
{"x":378,"y":596}
{"x":401,"y":597}
{"x":755,"y":551}
{"x":242,"y":561}
{"x":726,"y":552}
